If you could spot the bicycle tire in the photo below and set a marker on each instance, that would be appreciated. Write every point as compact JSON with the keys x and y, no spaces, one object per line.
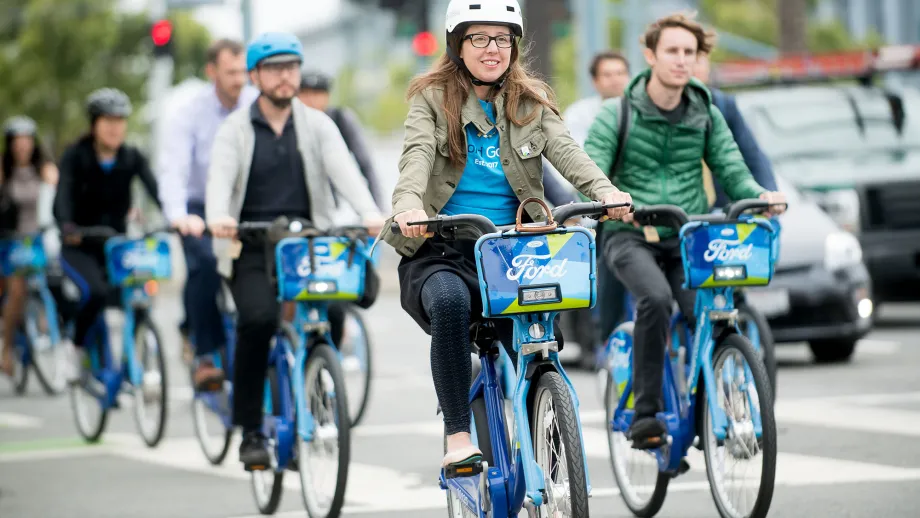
{"x":20,"y":369}
{"x":44,"y":378}
{"x":767,"y":344}
{"x":93,"y":433}
{"x":656,"y":501}
{"x":199,"y":409}
{"x":551,"y":385}
{"x":322,"y":352}
{"x":368,"y":374}
{"x":768,"y":423}
{"x":143,"y":322}
{"x":270,"y":504}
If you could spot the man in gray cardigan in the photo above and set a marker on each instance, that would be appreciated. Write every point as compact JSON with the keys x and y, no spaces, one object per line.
{"x":277,"y":158}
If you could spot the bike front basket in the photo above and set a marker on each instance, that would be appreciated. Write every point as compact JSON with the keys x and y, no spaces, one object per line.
{"x":522,"y":272}
{"x":719,"y":254}
{"x":339,"y":273}
{"x":22,"y":255}
{"x":134,"y":261}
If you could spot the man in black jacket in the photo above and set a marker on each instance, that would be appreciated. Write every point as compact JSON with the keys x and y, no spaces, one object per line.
{"x":94,"y":189}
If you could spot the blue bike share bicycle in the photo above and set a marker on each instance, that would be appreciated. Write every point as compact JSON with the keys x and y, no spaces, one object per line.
{"x":37,"y":346}
{"x":524,"y":420}
{"x":732,"y":416}
{"x":134,"y":267}
{"x":306,"y":408}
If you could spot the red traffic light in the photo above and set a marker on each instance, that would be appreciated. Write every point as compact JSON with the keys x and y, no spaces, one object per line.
{"x":161,"y":32}
{"x":425,"y":44}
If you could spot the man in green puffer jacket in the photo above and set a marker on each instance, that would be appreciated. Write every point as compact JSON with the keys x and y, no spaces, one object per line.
{"x":672,"y":128}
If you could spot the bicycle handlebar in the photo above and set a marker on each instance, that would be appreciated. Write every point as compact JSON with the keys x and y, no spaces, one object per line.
{"x":448,"y":226}
{"x":452,"y":227}
{"x":675,"y":217}
{"x":591,"y":209}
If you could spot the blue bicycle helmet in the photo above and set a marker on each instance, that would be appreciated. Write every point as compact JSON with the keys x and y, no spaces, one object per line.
{"x":280,"y":46}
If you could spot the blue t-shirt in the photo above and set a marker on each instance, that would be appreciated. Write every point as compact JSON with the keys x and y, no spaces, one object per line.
{"x":483,"y":188}
{"x":107,"y":164}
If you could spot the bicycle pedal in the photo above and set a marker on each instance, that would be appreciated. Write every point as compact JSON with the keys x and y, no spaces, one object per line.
{"x":463,"y":470}
{"x":256,"y":467}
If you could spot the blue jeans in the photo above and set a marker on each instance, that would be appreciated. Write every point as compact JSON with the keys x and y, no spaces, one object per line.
{"x":203,"y":319}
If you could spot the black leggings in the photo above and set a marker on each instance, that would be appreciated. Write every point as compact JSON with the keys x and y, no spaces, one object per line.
{"x":257,"y":321}
{"x":446,"y":301}
{"x":86,"y":268}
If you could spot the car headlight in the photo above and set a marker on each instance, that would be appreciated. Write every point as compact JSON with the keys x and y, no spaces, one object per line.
{"x":841,"y":249}
{"x":842,"y":205}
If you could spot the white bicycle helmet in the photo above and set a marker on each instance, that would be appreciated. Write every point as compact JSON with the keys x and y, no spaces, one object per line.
{"x":498,"y":12}
{"x":463,"y":13}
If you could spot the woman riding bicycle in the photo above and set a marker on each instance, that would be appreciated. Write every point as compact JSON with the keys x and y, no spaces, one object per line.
{"x":478,"y":124}
{"x":24,"y":166}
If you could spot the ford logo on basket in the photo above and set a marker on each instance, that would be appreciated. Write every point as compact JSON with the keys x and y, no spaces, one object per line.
{"x":728,"y":250}
{"x":523,"y":266}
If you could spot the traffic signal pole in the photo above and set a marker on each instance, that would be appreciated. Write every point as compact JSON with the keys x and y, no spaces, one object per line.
{"x":158,"y":83}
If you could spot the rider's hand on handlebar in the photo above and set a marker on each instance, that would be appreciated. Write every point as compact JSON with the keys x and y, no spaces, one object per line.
{"x":223,"y":227}
{"x":617,"y":197}
{"x":404,"y":218}
{"x":189,"y":225}
{"x":777,"y":198}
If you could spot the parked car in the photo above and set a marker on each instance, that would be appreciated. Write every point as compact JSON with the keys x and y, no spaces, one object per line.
{"x":821,"y":291}
{"x":856,"y":151}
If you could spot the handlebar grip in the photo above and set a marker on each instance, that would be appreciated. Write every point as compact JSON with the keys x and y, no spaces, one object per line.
{"x":394,"y":228}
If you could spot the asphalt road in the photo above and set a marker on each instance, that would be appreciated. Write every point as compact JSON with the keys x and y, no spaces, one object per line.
{"x":846,"y":435}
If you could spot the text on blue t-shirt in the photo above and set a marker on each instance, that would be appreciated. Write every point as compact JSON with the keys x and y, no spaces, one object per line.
{"x":483,"y":188}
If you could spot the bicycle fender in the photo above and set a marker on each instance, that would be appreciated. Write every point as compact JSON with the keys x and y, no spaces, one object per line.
{"x":539,"y":367}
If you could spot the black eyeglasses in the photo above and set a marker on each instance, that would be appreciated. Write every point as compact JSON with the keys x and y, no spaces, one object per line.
{"x":481,"y":41}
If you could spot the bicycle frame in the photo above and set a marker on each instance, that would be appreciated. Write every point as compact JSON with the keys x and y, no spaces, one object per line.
{"x":34,"y":272}
{"x":136,"y":299}
{"x":515,"y":480}
{"x":680,"y":399}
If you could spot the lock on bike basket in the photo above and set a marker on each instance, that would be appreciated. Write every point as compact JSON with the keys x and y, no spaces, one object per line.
{"x":734,"y":253}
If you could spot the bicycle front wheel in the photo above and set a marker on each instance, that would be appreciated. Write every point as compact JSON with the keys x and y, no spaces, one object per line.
{"x":324,"y":460}
{"x":47,"y":356}
{"x":357,"y":365}
{"x":558,"y":448}
{"x":756,"y":328}
{"x":742,"y":391}
{"x":150,"y":396}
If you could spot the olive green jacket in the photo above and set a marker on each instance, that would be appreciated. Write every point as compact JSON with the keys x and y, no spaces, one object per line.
{"x":427,"y":179}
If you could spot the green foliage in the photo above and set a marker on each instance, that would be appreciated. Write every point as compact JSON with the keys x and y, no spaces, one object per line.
{"x":53,"y":53}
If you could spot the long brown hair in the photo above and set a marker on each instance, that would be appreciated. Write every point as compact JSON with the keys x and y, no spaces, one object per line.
{"x":519,"y":86}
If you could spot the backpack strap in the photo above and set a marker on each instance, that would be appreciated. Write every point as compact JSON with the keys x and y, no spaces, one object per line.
{"x":624,"y":121}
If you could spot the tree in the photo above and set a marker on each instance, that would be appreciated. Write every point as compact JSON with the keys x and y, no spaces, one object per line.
{"x":55,"y":52}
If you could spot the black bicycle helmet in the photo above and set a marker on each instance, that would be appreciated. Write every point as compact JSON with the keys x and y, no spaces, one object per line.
{"x":20,"y":125}
{"x":108,"y":102}
{"x":313,"y":80}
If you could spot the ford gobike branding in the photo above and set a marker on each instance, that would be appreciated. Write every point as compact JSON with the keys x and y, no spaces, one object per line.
{"x":521,"y":273}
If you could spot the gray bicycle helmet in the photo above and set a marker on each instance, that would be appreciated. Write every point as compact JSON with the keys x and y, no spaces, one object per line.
{"x":313,"y":80}
{"x":20,"y":125}
{"x":108,"y":102}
